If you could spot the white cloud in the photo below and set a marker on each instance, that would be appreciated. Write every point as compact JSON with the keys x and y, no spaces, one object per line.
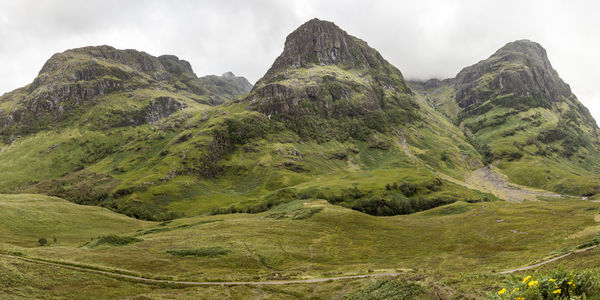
{"x":422,"y":38}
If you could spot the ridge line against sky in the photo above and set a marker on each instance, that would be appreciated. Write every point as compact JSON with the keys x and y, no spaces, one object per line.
{"x":424,"y":39}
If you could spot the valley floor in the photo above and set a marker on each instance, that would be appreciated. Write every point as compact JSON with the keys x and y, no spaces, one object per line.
{"x":459,"y":248}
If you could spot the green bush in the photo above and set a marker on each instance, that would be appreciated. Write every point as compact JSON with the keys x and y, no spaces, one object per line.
{"x":115,"y":240}
{"x":200,"y":252}
{"x":408,"y":189}
{"x":42,"y":241}
{"x":389,"y":289}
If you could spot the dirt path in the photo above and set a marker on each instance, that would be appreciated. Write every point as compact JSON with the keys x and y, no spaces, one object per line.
{"x":195,"y":283}
{"x":548,"y":260}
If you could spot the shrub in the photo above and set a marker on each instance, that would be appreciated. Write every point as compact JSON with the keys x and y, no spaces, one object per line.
{"x":408,"y":189}
{"x":445,"y":157}
{"x":389,"y":289}
{"x":200,"y":252}
{"x":42,"y":241}
{"x":115,"y":240}
{"x":558,"y":285}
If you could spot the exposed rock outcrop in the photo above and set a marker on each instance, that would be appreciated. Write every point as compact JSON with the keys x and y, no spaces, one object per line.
{"x":327,"y":72}
{"x":521,"y":68}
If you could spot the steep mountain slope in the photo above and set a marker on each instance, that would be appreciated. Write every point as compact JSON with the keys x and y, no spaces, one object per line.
{"x":524,"y":119}
{"x":331,"y":119}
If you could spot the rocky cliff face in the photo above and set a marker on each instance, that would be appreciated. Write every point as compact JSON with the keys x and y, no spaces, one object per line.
{"x":326,"y":72}
{"x":225,"y":87}
{"x":319,"y":42}
{"x":520,"y":68}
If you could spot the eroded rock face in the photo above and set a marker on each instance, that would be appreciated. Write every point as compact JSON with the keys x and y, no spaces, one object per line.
{"x":325,"y":71}
{"x":156,"y":110}
{"x":521,"y":68}
{"x":161,"y":107}
{"x":319,"y":42}
{"x":173,"y":64}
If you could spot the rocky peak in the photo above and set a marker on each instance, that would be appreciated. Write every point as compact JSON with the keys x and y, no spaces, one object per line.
{"x":325,"y":71}
{"x":520,"y":68}
{"x":228,"y":75}
{"x":318,"y":42}
{"x":92,"y":57}
{"x":173,"y":64}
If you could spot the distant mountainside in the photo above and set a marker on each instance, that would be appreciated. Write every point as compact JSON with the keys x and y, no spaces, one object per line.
{"x":72,"y":81}
{"x":331,"y":119}
{"x":523,"y":118}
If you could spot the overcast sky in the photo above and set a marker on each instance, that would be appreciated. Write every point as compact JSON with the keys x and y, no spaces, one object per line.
{"x":424,"y":39}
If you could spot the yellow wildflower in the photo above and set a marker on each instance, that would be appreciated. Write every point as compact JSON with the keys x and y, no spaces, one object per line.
{"x":502,"y":291}
{"x":556,"y":292}
{"x":520,"y":298}
{"x":526,"y":279}
{"x":551,"y":280}
{"x":570,"y":283}
{"x":533,"y":283}
{"x":514,"y":290}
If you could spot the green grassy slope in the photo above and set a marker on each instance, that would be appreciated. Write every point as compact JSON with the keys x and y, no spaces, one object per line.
{"x":27,"y":217}
{"x":307,"y":239}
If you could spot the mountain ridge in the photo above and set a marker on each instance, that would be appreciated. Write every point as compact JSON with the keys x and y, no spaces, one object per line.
{"x":517,"y":110}
{"x":331,"y":119}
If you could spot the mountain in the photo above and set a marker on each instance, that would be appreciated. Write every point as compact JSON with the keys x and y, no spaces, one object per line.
{"x":523,"y":118}
{"x":142,"y":135}
{"x":331,"y":119}
{"x":324,"y":72}
{"x":298,"y":167}
{"x":77,"y":79}
{"x":73,"y":130}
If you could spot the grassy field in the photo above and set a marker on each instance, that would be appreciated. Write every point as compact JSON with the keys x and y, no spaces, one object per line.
{"x":27,"y":217}
{"x":446,"y":246}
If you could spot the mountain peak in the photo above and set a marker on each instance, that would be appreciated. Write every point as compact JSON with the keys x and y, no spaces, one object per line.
{"x":524,"y":51}
{"x":522,"y":45}
{"x":228,"y":75}
{"x":319,"y":42}
{"x":520,"y":68}
{"x":327,"y":72}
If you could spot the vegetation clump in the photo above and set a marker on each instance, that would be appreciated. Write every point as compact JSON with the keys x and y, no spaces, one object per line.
{"x":200,"y":252}
{"x":558,"y":285}
{"x":389,"y":289}
{"x":115,"y":240}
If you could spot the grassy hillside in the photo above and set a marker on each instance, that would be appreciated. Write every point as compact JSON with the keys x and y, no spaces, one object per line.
{"x":445,"y":246}
{"x":24,"y":218}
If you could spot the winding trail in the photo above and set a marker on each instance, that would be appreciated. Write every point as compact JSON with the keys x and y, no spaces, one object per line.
{"x":195,"y":283}
{"x":273,"y":282}
{"x":548,"y":260}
